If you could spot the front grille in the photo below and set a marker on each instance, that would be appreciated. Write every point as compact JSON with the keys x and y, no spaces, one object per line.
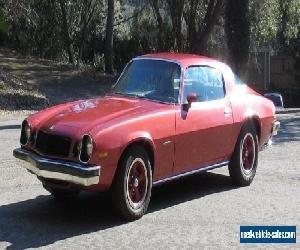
{"x":52,"y":145}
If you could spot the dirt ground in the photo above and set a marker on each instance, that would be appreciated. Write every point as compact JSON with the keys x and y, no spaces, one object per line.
{"x":57,"y":82}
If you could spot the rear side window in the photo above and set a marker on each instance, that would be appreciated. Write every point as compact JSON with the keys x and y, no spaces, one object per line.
{"x":206,"y":82}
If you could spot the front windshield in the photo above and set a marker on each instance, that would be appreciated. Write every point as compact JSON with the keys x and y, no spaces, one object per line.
{"x":156,"y":80}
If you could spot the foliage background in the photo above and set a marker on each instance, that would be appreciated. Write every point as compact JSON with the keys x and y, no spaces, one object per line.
{"x":76,"y":31}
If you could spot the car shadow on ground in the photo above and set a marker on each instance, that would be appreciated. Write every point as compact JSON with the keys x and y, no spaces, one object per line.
{"x":6,"y":127}
{"x":43,"y":221}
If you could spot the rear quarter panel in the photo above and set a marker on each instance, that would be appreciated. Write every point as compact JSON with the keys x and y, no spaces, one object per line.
{"x":247,"y":104}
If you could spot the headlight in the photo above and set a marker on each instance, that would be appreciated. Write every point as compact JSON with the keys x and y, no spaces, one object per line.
{"x":25,"y":133}
{"x":86,"y":148}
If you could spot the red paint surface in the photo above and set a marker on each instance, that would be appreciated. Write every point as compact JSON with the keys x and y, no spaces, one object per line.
{"x":180,"y":140}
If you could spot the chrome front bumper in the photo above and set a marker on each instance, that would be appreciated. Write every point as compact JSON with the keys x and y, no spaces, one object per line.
{"x":58,"y":169}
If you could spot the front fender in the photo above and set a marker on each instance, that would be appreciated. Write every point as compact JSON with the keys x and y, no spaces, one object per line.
{"x":109,"y":148}
{"x":141,"y":136}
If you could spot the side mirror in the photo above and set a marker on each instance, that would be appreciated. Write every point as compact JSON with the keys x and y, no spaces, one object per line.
{"x":192,"y":97}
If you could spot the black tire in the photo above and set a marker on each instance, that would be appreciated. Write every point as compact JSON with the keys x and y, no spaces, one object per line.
{"x":131,"y":189}
{"x":61,"y":194}
{"x":243,"y":164}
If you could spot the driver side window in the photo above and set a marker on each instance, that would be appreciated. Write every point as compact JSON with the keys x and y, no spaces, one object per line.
{"x":206,"y":82}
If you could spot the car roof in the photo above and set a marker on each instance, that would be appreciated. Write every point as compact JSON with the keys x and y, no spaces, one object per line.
{"x":183,"y":59}
{"x":188,"y":60}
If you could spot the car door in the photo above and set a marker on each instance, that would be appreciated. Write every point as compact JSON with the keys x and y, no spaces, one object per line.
{"x":203,"y":132}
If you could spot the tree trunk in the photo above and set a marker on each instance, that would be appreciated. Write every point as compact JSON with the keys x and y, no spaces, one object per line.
{"x":81,"y":43}
{"x":108,"y":47}
{"x":283,"y":26}
{"x":65,"y":29}
{"x":87,"y":14}
{"x":212,"y":14}
{"x":237,"y":28}
{"x":159,"y":21}
{"x":191,"y":24}
{"x":176,"y":11}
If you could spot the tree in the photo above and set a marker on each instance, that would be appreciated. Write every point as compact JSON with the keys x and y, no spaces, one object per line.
{"x":88,"y":9}
{"x":109,"y":33}
{"x":190,"y":19}
{"x":289,"y":26}
{"x":160,"y":23}
{"x":237,"y":27}
{"x":200,"y":22}
{"x":66,"y":32}
{"x":86,"y":32}
{"x":4,"y":27}
{"x":176,"y":13}
{"x":264,"y":22}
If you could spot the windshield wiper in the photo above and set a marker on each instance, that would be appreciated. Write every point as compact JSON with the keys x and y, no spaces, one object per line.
{"x":136,"y":95}
{"x":128,"y":94}
{"x":117,"y":93}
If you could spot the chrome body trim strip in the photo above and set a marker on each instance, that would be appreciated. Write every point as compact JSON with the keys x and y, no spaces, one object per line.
{"x":72,"y":172}
{"x":167,"y":143}
{"x":196,"y":171}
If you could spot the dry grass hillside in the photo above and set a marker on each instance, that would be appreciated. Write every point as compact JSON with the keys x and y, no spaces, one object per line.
{"x":28,"y":83}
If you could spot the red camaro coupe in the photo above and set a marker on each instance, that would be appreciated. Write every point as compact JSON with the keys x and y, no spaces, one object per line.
{"x":169,"y":116}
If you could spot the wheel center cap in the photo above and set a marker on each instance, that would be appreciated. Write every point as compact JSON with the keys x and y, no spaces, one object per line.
{"x":136,"y":183}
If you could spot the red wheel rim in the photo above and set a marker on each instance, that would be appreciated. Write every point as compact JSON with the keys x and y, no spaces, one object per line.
{"x":248,"y":152}
{"x":137,"y":183}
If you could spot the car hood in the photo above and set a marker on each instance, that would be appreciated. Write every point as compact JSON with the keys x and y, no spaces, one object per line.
{"x":82,"y":116}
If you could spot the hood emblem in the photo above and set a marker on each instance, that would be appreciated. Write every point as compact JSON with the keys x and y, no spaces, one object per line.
{"x":52,"y":127}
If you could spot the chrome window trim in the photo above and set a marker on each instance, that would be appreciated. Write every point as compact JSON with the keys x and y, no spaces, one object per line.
{"x":192,"y":172}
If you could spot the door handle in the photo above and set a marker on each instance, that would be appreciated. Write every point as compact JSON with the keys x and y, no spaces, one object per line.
{"x":227,"y":111}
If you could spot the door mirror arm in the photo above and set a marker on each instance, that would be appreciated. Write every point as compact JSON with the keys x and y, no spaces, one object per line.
{"x":192,"y":97}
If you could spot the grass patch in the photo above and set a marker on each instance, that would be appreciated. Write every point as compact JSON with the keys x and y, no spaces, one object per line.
{"x":15,"y":66}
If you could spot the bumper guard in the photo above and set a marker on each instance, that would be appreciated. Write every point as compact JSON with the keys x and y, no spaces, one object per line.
{"x":275,"y":128}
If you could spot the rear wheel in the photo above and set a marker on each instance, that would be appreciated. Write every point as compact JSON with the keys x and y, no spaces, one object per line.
{"x":243,"y":164}
{"x":132,"y":186}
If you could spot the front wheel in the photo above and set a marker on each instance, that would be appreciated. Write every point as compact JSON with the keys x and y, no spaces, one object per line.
{"x":132,"y":186}
{"x":243,"y":164}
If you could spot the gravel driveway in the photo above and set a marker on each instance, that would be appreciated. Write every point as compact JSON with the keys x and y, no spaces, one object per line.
{"x":203,"y":211}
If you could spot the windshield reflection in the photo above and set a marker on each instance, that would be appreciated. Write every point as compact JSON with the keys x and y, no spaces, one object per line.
{"x":155,"y":80}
